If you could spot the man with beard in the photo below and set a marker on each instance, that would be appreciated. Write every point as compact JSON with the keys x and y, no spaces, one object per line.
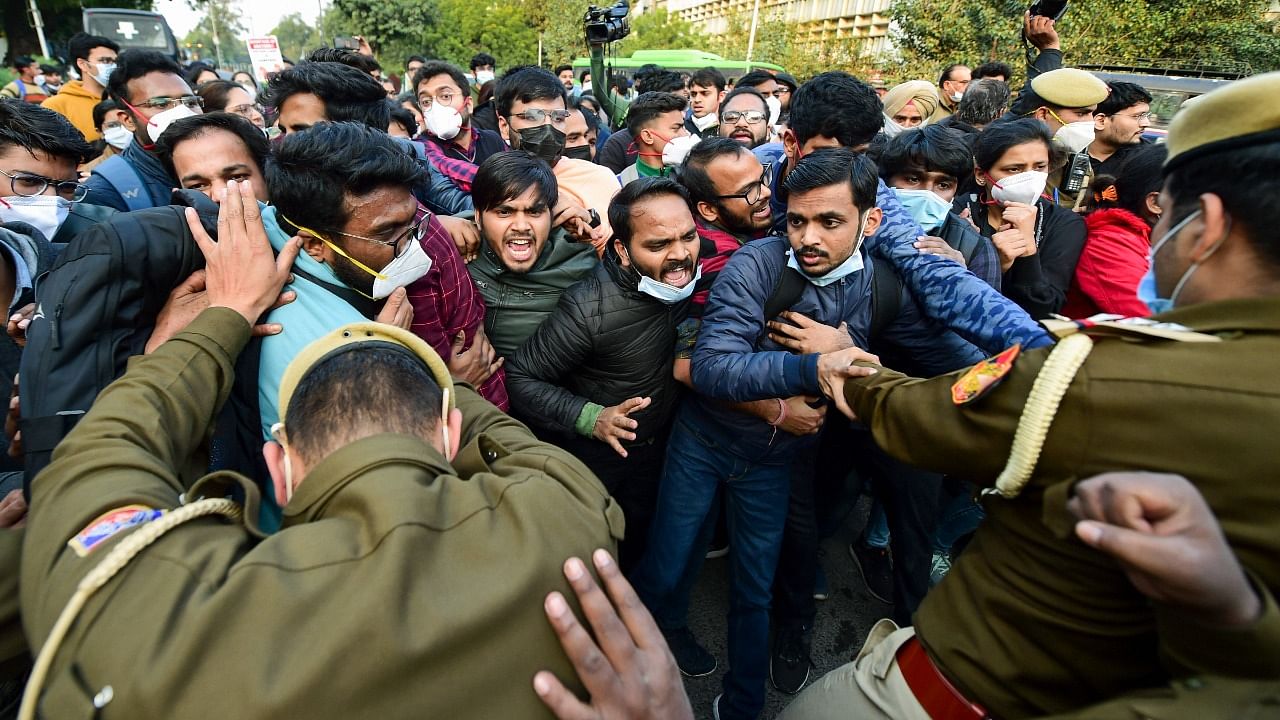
{"x":596,"y":376}
{"x":524,"y":264}
{"x":533,"y":113}
{"x":444,"y":96}
{"x":1118,"y":125}
{"x":744,"y":117}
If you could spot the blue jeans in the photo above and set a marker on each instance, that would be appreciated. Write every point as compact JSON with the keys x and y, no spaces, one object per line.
{"x":702,"y":460}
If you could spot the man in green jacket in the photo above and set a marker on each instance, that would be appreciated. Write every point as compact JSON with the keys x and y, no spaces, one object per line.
{"x":523,"y":266}
{"x":422,"y":530}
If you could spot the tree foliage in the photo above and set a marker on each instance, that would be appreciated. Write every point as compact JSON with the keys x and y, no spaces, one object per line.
{"x":660,"y":30}
{"x":226,"y":18}
{"x":932,"y":34}
{"x":296,"y":36}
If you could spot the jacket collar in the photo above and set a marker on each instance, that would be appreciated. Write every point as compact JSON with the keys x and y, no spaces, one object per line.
{"x":145,"y":162}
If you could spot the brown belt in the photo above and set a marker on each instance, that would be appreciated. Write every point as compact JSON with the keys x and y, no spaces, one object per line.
{"x":939,"y":698}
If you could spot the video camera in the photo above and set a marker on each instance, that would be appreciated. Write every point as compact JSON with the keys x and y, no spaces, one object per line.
{"x":606,"y":25}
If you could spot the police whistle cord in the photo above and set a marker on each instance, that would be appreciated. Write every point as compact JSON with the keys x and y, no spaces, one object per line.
{"x":1037,"y":415}
{"x":114,"y":562}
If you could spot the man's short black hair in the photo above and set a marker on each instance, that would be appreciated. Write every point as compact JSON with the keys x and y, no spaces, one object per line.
{"x":347,"y":93}
{"x":399,"y":114}
{"x":755,"y":78}
{"x":993,"y":70}
{"x":836,"y":105}
{"x":195,"y":70}
{"x":506,"y":176}
{"x":190,"y":128}
{"x":946,"y":74}
{"x":933,"y":148}
{"x":360,"y":61}
{"x":984,"y":102}
{"x":745,"y":90}
{"x":1246,"y":180}
{"x":708,"y":77}
{"x":582,"y":76}
{"x":832,"y":166}
{"x":997,"y":138}
{"x":133,"y":64}
{"x":693,"y":171}
{"x":1124,"y":95}
{"x":665,"y":81}
{"x":216,"y":94}
{"x":526,"y":85}
{"x":561,"y":68}
{"x":100,"y":111}
{"x":371,"y":390}
{"x":314,"y":170}
{"x":32,"y":128}
{"x":81,"y":44}
{"x":632,"y":193}
{"x":649,"y":107}
{"x":482,"y":58}
{"x":22,"y":62}
{"x":1141,"y":174}
{"x":593,"y":120}
{"x":414,"y":58}
{"x":51,"y":69}
{"x":436,"y":67}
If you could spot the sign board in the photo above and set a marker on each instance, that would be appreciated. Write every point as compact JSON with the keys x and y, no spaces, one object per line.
{"x":264,"y":55}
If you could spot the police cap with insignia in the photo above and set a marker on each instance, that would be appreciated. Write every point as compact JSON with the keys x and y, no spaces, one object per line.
{"x":1243,"y":114}
{"x":1070,"y":88}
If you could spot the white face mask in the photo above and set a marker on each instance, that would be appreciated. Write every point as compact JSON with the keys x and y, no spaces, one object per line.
{"x":1025,"y":187}
{"x":706,"y":122}
{"x":158,"y":124}
{"x":412,"y":265}
{"x":104,"y":72}
{"x":669,"y":294}
{"x":850,"y":266}
{"x":443,"y":121}
{"x":957,"y":97}
{"x":891,"y":128}
{"x":45,"y":213}
{"x":118,"y":137}
{"x":38,"y":80}
{"x":775,"y":109}
{"x":925,"y":206}
{"x":483,"y":76}
{"x":678,"y":148}
{"x":1075,"y":136}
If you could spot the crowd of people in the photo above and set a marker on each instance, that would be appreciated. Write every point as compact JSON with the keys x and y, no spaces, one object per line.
{"x":324,"y":388}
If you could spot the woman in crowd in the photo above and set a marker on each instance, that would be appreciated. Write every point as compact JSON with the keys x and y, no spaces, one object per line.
{"x":909,"y":105}
{"x":1117,"y":249}
{"x":226,"y":96}
{"x":246,"y":80}
{"x":1038,"y":242}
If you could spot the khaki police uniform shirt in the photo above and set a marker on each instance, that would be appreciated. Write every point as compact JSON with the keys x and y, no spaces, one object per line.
{"x":1030,"y":621}
{"x":401,"y":585}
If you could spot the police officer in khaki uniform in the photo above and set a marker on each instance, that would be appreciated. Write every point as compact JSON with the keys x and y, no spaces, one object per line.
{"x":1065,"y":100}
{"x":1031,"y":621}
{"x":407,"y":580}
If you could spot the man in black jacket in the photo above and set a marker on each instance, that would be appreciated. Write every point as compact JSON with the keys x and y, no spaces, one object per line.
{"x":596,"y":376}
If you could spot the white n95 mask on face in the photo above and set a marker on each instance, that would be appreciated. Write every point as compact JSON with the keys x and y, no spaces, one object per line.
{"x":443,"y":121}
{"x":161,"y":122}
{"x":1075,"y":136}
{"x":45,"y":213}
{"x":1024,"y":187}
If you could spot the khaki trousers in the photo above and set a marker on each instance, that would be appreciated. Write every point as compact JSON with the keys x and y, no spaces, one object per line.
{"x":869,"y":688}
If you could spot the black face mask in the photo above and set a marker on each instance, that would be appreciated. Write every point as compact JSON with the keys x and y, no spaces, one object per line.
{"x":543,"y":141}
{"x":582,"y":152}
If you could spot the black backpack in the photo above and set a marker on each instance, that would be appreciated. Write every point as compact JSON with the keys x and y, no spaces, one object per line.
{"x":96,"y":308}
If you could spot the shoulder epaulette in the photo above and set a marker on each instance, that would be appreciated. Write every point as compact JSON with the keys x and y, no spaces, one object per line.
{"x":1132,"y":328}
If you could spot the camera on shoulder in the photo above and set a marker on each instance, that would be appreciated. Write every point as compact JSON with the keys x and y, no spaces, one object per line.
{"x":606,"y":25}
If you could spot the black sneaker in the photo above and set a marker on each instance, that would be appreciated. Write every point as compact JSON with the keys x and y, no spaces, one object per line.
{"x":876,"y":569}
{"x":692,"y":659}
{"x":789,"y":664}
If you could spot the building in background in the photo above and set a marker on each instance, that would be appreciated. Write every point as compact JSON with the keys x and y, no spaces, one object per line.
{"x":822,"y":21}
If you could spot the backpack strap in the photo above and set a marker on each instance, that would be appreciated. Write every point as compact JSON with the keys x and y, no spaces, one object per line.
{"x":786,"y":291}
{"x":365,"y":306}
{"x":22,"y":90}
{"x":886,"y":297}
{"x":125,"y":180}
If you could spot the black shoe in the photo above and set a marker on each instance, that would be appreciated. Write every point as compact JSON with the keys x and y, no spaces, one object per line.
{"x":876,"y":569}
{"x":692,"y":659}
{"x":789,"y":663}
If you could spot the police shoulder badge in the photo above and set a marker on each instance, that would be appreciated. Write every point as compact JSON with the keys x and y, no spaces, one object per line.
{"x":108,"y":524}
{"x":984,"y":376}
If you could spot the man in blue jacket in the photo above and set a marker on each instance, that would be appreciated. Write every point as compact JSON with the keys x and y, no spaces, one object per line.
{"x":820,"y":271}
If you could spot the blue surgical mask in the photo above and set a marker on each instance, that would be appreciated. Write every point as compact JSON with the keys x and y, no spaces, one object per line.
{"x":669,"y":294}
{"x":925,"y":207}
{"x":844,"y":269}
{"x":1147,"y":291}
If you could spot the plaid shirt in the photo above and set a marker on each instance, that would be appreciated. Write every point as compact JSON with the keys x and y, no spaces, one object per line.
{"x":445,"y":302}
{"x":461,"y":171}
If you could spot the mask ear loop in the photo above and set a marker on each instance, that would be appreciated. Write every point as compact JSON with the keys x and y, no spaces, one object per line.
{"x":444,"y":420}
{"x":278,"y":434}
{"x":1173,"y":296}
{"x":337,"y":249}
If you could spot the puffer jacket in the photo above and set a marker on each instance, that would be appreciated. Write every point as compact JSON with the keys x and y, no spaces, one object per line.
{"x":605,"y":343}
{"x":516,"y":303}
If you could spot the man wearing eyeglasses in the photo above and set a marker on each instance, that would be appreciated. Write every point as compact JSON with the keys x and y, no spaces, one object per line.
{"x":149,"y":87}
{"x":1118,"y":126}
{"x":744,"y":117}
{"x":452,"y":142}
